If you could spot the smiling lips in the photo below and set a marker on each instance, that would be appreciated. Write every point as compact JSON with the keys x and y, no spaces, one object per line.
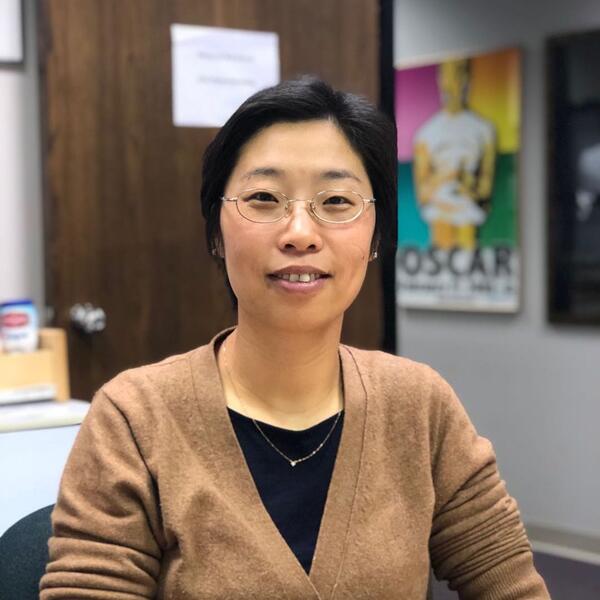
{"x":302,"y":277}
{"x":298,"y":274}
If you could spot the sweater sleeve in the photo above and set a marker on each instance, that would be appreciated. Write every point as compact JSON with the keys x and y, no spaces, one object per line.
{"x":106,"y":524}
{"x":478,"y":542}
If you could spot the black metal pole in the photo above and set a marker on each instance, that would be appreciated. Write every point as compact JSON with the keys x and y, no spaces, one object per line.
{"x":386,"y":103}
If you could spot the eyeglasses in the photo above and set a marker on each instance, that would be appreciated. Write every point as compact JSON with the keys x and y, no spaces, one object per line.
{"x":261,"y":205}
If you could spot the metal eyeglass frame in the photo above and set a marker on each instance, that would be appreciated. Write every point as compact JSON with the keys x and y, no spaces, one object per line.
{"x":311,"y":203}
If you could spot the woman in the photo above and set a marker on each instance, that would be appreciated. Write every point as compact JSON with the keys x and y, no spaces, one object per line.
{"x":275,"y":462}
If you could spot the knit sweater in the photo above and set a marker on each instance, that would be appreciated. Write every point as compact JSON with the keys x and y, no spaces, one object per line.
{"x":156,"y":500}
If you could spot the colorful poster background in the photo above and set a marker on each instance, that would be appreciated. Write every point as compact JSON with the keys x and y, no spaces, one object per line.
{"x":494,"y":93}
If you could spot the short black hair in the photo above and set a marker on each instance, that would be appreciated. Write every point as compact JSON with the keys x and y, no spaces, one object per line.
{"x":370,"y":133}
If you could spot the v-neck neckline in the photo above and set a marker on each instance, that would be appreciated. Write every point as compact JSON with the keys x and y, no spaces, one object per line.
{"x":239,"y":485}
{"x":284,"y":430}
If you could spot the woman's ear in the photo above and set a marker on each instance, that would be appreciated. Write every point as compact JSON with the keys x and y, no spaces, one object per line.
{"x":374,"y":249}
{"x":217,"y":248}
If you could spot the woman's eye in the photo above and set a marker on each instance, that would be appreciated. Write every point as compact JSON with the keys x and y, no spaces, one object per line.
{"x":337,"y":201}
{"x":263,"y":197}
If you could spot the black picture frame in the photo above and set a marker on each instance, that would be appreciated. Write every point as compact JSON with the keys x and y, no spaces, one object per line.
{"x":573,"y":171}
{"x":14,"y":59}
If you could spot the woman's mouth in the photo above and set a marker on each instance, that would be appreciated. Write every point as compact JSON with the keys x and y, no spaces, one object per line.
{"x":302,"y":283}
{"x":300,"y":277}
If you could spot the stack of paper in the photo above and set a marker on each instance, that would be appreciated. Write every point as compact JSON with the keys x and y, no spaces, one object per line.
{"x":28,"y":393}
{"x":39,"y":415}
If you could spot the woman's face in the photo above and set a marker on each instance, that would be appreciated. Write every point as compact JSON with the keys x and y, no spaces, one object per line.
{"x":299,"y":160}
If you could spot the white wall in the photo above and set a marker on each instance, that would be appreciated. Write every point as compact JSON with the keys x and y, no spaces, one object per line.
{"x":21,"y":247}
{"x":532,"y":388}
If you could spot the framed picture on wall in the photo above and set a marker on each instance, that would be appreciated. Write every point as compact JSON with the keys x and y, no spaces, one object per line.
{"x":573,"y":168}
{"x":11,"y":32}
{"x":458,"y":125}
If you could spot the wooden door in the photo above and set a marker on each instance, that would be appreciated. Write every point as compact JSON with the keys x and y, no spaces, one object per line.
{"x":124,"y":230}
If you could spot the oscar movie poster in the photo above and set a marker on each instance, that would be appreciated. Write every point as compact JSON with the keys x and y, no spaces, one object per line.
{"x":458,"y":141}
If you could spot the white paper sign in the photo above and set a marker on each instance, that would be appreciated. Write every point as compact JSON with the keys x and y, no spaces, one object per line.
{"x":11,"y":31}
{"x":216,"y":69}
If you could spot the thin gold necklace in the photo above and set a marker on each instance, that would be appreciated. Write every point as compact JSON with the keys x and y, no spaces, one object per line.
{"x":293,"y":462}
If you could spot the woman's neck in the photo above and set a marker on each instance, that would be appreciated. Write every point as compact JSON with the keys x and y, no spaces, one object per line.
{"x":289,"y":379}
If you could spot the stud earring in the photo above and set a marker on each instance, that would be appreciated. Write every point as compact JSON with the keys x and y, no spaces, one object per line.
{"x":374,"y":255}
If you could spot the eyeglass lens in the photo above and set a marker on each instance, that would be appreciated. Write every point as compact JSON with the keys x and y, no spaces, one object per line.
{"x":265,"y":206}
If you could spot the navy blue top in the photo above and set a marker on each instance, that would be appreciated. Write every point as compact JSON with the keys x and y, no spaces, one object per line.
{"x":293,"y":496}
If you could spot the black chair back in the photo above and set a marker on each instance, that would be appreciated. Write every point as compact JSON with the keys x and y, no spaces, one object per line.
{"x":24,"y":554}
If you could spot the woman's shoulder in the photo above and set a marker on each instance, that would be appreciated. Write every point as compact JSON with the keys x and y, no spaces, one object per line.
{"x":400,"y":382}
{"x":157,"y":405}
{"x":383,"y":368}
{"x":164,"y":384}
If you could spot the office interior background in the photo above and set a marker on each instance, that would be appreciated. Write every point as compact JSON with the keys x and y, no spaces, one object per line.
{"x":532,"y":387}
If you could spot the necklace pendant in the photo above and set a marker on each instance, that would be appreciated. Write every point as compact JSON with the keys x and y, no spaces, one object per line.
{"x":293,"y":463}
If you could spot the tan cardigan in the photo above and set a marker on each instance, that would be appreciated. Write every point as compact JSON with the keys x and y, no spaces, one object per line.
{"x":156,"y":500}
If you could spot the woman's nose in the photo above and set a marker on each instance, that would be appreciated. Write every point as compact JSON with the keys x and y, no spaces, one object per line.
{"x":301,"y":232}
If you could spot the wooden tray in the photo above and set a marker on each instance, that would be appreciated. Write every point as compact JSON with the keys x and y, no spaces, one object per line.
{"x":49,"y":364}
